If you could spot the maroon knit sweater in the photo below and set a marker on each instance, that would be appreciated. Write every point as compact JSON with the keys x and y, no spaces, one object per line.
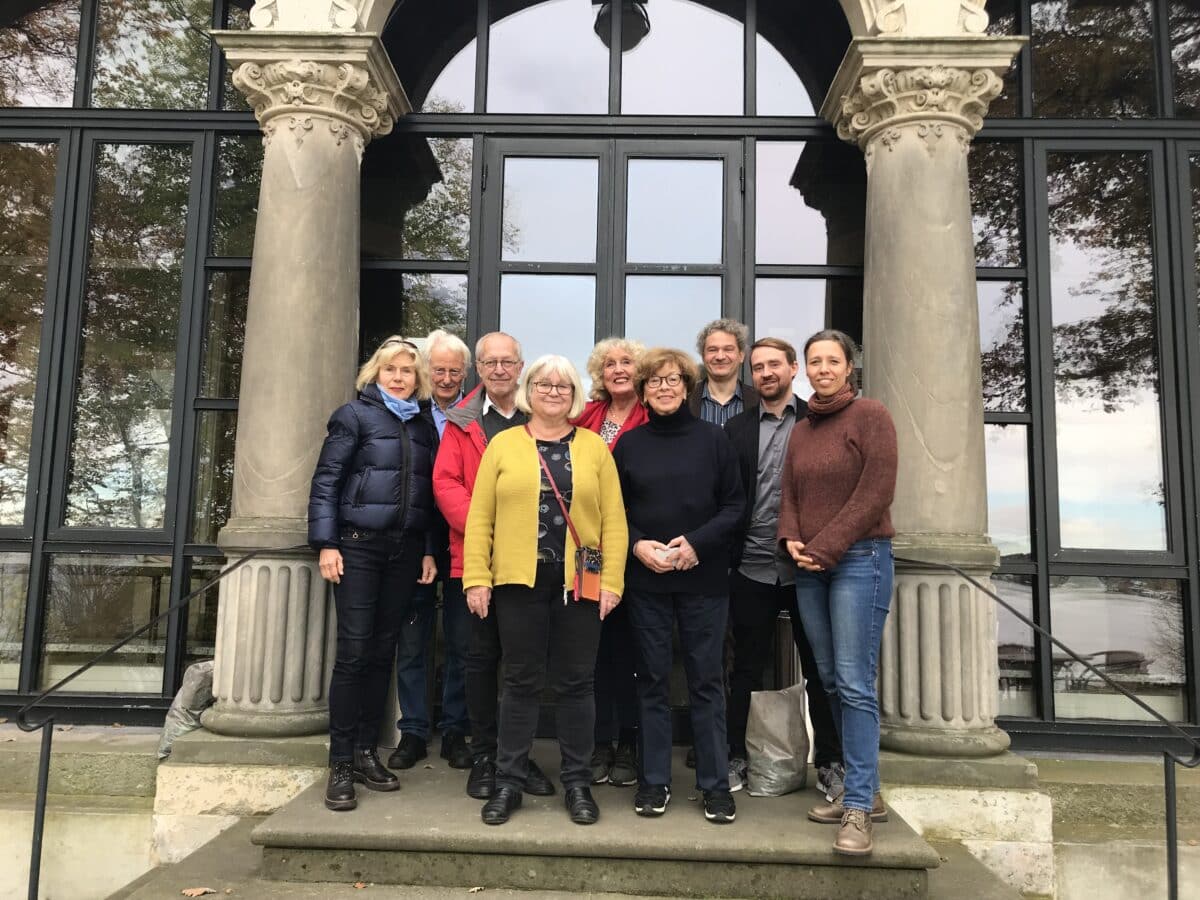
{"x":839,"y":478}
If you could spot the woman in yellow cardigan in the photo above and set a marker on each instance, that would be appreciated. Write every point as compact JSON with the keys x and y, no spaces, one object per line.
{"x":519,"y":553}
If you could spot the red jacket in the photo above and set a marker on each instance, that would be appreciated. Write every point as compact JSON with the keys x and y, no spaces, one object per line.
{"x":594,"y":413}
{"x":455,"y":468}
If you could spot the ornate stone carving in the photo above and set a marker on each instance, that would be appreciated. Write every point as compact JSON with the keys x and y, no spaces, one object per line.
{"x":890,"y":17}
{"x":972,"y":17}
{"x":886,"y":100}
{"x":342,"y":93}
{"x":305,"y":15}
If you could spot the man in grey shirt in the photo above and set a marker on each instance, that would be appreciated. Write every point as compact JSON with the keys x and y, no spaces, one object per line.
{"x":761,"y":580}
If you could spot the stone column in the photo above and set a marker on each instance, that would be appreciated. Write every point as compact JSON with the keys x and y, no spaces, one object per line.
{"x":319,"y":98}
{"x":913,"y":106}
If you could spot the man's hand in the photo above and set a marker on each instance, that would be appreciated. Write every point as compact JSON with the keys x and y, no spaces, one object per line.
{"x":331,"y":565}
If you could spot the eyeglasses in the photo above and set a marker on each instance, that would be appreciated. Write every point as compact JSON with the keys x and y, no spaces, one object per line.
{"x":546,"y":387}
{"x":659,"y":380}
{"x":492,"y":364}
{"x":448,"y":373}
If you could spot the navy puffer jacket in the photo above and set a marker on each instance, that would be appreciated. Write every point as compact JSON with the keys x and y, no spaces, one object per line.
{"x":375,"y":472}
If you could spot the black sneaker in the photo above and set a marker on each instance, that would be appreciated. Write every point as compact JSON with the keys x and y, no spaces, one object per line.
{"x":455,"y":750}
{"x":339,"y":792}
{"x":719,"y":807}
{"x":481,"y":783}
{"x":601,"y":762}
{"x":537,"y":783}
{"x":690,"y":759}
{"x":624,"y":770}
{"x":651,"y":800}
{"x":405,"y":756}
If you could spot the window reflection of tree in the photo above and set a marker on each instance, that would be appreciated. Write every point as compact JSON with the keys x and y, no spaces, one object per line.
{"x":38,"y":45}
{"x":123,"y":402}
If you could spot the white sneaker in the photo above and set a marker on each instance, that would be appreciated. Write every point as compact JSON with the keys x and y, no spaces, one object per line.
{"x":831,"y":781}
{"x":739,"y":773}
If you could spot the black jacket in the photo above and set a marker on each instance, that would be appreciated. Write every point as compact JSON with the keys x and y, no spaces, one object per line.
{"x":742,"y":431}
{"x":375,"y":472}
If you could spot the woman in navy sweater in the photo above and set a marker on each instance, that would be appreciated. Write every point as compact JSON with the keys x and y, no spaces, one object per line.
{"x":371,"y":516}
{"x":684,"y":501}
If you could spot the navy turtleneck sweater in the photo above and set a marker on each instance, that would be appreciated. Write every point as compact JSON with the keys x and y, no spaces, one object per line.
{"x":679,"y":476}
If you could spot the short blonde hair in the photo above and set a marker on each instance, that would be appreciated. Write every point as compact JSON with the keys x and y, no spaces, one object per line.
{"x":550,"y":364}
{"x":386,"y":352}
{"x":595,"y":361}
{"x":657,"y":357}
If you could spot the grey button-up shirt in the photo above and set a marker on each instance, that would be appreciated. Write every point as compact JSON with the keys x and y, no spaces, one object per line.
{"x":760,"y":560}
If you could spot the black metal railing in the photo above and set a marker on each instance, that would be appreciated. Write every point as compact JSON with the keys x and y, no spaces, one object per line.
{"x":1170,"y":758}
{"x":47,"y":724}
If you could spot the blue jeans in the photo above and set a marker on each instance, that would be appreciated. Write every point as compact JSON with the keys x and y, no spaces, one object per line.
{"x":843,"y":612}
{"x":412,"y":654}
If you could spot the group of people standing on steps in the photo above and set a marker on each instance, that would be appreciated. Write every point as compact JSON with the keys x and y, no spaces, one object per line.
{"x":571,"y":536}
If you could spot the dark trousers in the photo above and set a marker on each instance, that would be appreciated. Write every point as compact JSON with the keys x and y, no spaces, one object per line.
{"x":616,"y":690}
{"x":547,"y":644}
{"x":753,"y":610}
{"x":482,"y":682}
{"x":376,"y":592}
{"x":701,"y":622}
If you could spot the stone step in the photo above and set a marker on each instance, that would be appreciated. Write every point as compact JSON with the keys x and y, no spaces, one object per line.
{"x":1123,"y":791}
{"x":430,"y":834}
{"x":1093,"y":861}
{"x":85,"y":760}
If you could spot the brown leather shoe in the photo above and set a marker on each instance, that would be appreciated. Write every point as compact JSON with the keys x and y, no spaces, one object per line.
{"x":831,"y":813}
{"x":854,"y":837}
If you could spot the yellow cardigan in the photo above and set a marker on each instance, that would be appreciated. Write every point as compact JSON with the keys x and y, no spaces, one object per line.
{"x":500,"y":543}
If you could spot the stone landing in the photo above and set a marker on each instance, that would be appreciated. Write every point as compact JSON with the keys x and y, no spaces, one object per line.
{"x":429,"y":834}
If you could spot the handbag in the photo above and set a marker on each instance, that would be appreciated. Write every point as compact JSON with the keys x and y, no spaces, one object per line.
{"x":588,"y":560}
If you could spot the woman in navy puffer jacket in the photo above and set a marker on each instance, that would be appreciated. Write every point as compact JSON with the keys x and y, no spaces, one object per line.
{"x":372,"y":518}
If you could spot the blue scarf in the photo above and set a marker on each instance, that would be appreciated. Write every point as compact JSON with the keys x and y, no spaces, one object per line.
{"x":401,"y":409}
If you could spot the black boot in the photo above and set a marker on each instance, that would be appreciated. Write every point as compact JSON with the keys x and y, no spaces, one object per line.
{"x":456,"y":751}
{"x":411,"y":750}
{"x":370,"y":771}
{"x":339,"y":792}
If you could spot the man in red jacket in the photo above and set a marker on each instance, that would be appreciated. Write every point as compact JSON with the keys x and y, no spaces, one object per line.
{"x":482,"y":414}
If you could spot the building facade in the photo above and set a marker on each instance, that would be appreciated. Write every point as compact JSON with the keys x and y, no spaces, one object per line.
{"x":187,"y":285}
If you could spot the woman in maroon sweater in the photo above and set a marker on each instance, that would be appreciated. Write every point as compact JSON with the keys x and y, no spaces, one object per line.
{"x":839,"y":477}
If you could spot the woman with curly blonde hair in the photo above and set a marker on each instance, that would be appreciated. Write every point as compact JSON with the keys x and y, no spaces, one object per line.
{"x":614,"y":408}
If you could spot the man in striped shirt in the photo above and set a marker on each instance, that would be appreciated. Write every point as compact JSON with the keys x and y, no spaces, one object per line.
{"x":721,"y":395}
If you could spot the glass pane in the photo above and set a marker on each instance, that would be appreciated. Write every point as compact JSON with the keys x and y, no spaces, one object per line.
{"x":212,"y":485}
{"x":1092,"y":58}
{"x":224,"y":332}
{"x":547,"y":59}
{"x":1110,"y":463}
{"x":416,"y":198}
{"x":152,"y":54}
{"x":1195,"y":170}
{"x":550,"y":314}
{"x":120,"y":439}
{"x":454,"y":89}
{"x":236,"y":19}
{"x":691,"y":63}
{"x":412,"y":304}
{"x":810,"y":202}
{"x":1016,"y":653}
{"x":997,"y":203}
{"x":1002,"y":345}
{"x":14,"y":580}
{"x":670,"y":310}
{"x":550,"y":209}
{"x":1131,"y":629}
{"x":239,"y":171}
{"x":1002,"y":21}
{"x":39,"y":48}
{"x":780,"y":90}
{"x":1007,"y":448}
{"x":1185,"y":52}
{"x":94,"y":600}
{"x":201,"y":638}
{"x":675,"y":210}
{"x":27,"y":184}
{"x":790,"y":309}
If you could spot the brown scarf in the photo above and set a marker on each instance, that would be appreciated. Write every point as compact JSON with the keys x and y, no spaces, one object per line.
{"x":827,"y":406}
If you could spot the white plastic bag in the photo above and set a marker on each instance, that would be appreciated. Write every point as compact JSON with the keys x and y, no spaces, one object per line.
{"x":777,"y":742}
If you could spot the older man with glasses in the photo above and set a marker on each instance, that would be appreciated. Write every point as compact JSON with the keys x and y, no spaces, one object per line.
{"x":470,"y":425}
{"x":448,"y":359}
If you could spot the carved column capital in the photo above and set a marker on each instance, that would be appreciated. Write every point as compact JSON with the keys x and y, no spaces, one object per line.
{"x":926,"y":97}
{"x":296,"y":80}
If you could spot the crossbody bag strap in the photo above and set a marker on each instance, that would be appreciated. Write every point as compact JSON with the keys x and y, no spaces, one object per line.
{"x":554,"y":487}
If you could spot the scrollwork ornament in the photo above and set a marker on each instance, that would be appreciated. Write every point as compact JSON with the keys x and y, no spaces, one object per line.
{"x":263,"y":14}
{"x":890,"y":17}
{"x":972,"y":17}
{"x":888,"y":99}
{"x":342,"y":93}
